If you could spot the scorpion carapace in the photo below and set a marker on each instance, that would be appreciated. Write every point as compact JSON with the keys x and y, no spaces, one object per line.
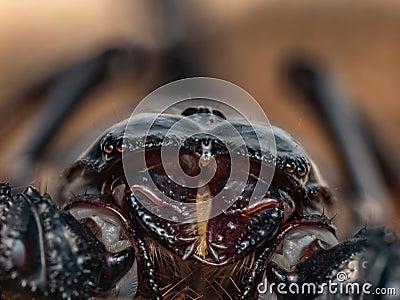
{"x":105,"y":242}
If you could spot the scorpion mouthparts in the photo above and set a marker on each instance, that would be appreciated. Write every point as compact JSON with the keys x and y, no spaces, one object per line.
{"x":214,"y":253}
{"x":119,"y":193}
{"x":189,"y":251}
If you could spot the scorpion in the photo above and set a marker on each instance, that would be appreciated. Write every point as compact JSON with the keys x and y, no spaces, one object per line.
{"x":104,"y":243}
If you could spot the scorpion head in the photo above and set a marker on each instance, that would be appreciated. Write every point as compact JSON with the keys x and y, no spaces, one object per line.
{"x":97,"y":185}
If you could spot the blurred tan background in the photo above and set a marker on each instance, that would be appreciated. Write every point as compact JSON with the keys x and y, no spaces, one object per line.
{"x":245,"y":42}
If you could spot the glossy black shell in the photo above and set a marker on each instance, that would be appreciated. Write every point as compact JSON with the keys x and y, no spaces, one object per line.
{"x":294,"y":170}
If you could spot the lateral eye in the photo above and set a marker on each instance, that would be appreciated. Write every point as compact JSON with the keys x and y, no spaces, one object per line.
{"x":108,"y":147}
{"x":301,"y":171}
{"x":302,"y":168}
{"x":296,"y":167}
{"x":290,"y":166}
{"x":120,"y":146}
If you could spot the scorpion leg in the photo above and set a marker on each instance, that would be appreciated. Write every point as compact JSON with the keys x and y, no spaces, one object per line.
{"x":354,"y":145}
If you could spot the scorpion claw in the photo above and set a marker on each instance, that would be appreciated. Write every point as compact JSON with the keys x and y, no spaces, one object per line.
{"x":46,"y":252}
